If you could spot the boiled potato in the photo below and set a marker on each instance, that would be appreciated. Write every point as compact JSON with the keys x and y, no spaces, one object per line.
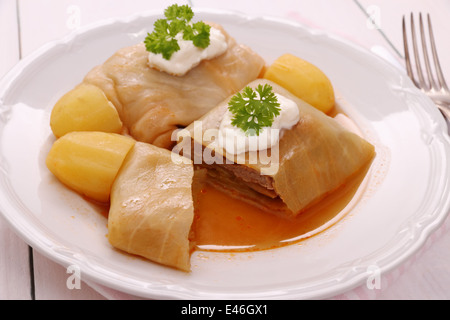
{"x":84,"y":108}
{"x":89,"y":161}
{"x":304,"y":80}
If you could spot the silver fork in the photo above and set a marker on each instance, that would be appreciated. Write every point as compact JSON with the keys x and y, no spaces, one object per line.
{"x":433,"y":86}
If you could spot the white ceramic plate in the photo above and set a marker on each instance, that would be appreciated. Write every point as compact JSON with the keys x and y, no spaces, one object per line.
{"x":405,"y":196}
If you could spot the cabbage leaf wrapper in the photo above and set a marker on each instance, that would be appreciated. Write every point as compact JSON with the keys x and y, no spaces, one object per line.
{"x":152,"y":104}
{"x":151,"y":210}
{"x":312,"y":159}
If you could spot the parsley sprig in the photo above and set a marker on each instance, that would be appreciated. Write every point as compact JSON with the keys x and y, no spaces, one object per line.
{"x":254,"y":109}
{"x":178,"y":20}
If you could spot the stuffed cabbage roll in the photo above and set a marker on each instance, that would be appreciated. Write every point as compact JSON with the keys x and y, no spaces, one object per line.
{"x":312,"y":159}
{"x":151,"y":209}
{"x":152,"y":104}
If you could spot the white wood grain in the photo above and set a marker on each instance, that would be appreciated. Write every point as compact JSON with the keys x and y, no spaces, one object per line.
{"x":427,"y":278}
{"x":54,"y":282}
{"x":390,"y":17}
{"x":342,"y":18}
{"x":14,"y":266}
{"x":9,"y":51}
{"x":65,"y":16}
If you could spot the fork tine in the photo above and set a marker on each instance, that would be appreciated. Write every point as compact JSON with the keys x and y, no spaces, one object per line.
{"x":407,"y":57}
{"x":435,"y":56}
{"x":422,"y":82}
{"x":425,"y":54}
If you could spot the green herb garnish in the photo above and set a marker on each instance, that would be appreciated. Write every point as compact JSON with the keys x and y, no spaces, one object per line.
{"x":178,"y":20}
{"x":254,"y":109}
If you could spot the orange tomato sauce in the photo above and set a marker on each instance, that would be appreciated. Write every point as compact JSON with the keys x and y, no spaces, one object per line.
{"x":225,"y":223}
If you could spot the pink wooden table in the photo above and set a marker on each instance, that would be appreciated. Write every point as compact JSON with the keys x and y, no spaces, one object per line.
{"x":25,"y":25}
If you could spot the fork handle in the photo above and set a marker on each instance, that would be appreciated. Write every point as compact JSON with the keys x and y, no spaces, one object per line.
{"x":441,"y":99}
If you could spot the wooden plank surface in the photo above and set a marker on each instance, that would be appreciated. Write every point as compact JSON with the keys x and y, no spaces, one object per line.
{"x":14,"y":253}
{"x":390,"y":15}
{"x":65,"y":16}
{"x":22,"y":30}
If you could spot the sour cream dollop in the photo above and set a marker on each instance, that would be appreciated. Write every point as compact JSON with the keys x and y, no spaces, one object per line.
{"x":189,"y":56}
{"x":235,"y":141}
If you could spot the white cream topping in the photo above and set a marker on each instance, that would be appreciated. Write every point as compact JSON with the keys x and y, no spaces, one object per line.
{"x":189,"y":55}
{"x":235,"y":141}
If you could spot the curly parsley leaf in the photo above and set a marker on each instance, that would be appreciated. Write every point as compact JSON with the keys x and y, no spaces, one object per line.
{"x":178,"y":20}
{"x":199,"y":34}
{"x":175,"y":12}
{"x":254,"y":109}
{"x":161,"y":40}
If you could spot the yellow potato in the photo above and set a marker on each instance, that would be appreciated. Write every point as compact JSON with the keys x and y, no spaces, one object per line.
{"x":303,"y":79}
{"x":88,"y":161}
{"x":84,"y":108}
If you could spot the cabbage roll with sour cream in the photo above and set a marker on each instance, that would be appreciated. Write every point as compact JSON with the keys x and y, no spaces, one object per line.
{"x":311,"y":159}
{"x":152,"y":103}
